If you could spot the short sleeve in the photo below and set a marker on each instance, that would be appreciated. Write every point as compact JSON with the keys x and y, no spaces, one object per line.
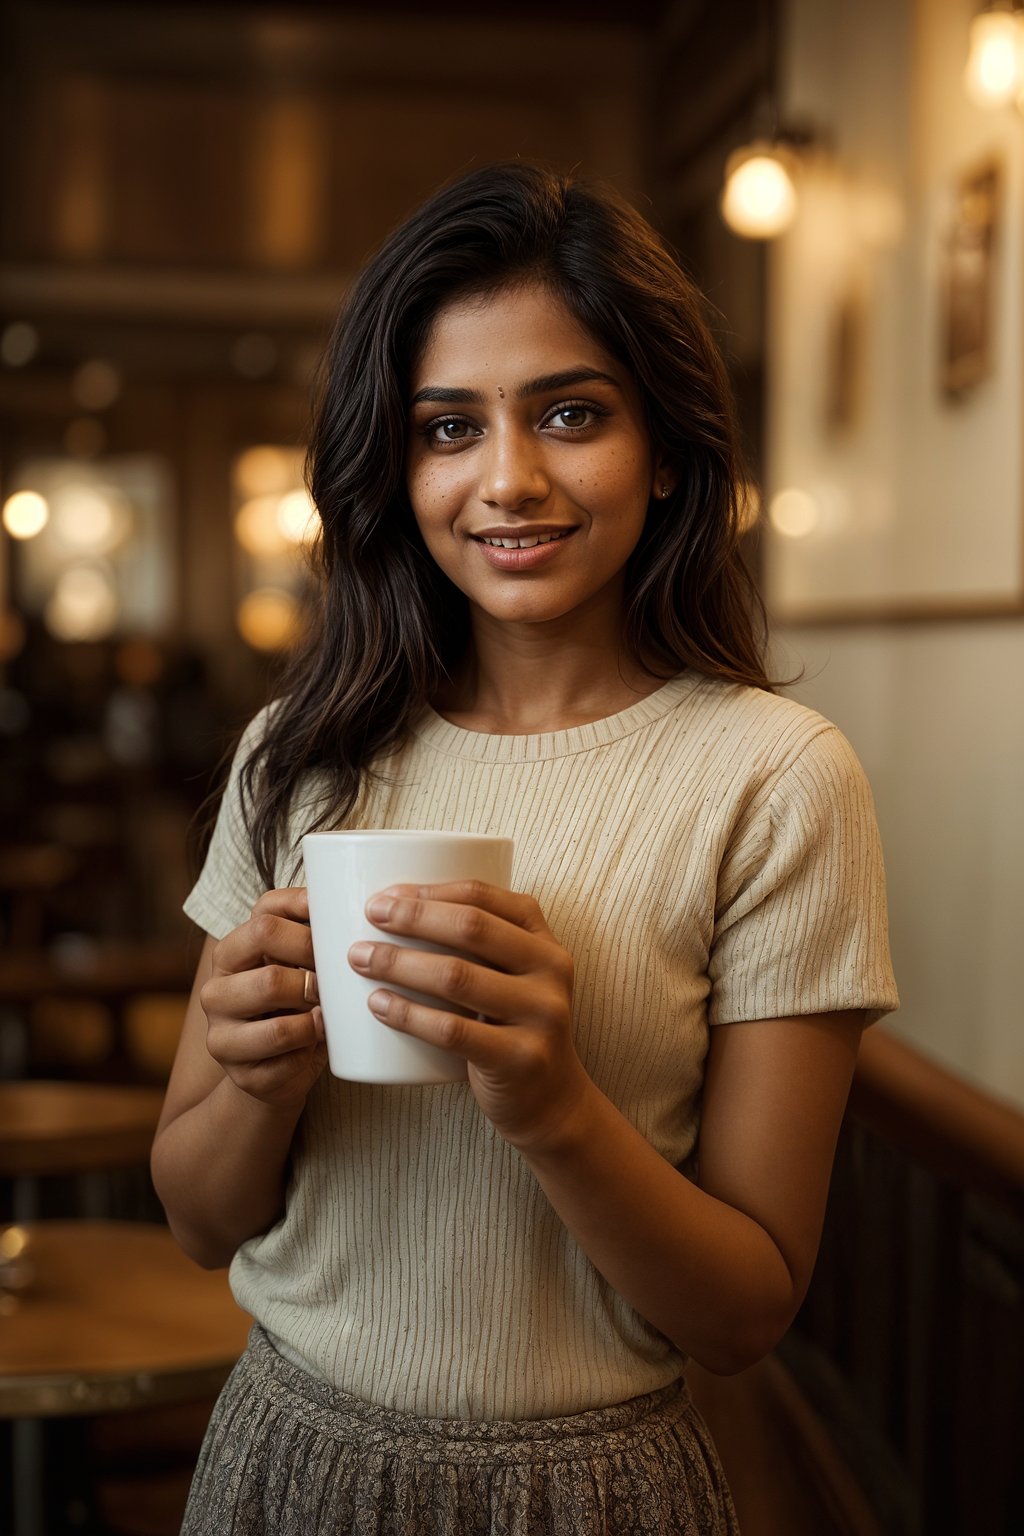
{"x":229,"y":884}
{"x":801,"y":924}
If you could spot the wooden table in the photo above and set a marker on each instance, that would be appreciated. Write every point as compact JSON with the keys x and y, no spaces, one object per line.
{"x":28,"y":873}
{"x":74,"y":1127}
{"x":65,"y":1128}
{"x":104,"y":972}
{"x":115,"y":1317}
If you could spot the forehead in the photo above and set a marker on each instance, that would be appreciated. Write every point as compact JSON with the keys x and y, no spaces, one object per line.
{"x":520,"y":332}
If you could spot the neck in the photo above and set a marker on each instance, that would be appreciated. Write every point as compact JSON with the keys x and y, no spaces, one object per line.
{"x":516,"y":681}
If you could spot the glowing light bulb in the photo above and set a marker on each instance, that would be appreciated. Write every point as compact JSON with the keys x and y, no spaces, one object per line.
{"x":25,"y":514}
{"x":257,"y":528}
{"x":995,"y":64}
{"x":759,"y":198}
{"x":295,"y":513}
{"x":84,"y":605}
{"x":89,"y":519}
{"x":266,"y":618}
{"x":263,"y":470}
{"x":793,"y":513}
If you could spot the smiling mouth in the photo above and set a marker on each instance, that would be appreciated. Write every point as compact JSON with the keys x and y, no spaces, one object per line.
{"x":528,"y":541}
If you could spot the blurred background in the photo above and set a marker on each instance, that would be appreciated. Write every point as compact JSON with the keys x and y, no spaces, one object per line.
{"x":186,"y":191}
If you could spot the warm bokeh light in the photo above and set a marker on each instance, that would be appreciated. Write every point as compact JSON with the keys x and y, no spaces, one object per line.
{"x":89,"y":519}
{"x":267,"y":618}
{"x":257,"y":528}
{"x":263,"y":470}
{"x":13,"y":1242}
{"x":793,"y":513}
{"x":295,"y":517}
{"x":994,"y":65}
{"x":759,"y":199}
{"x":25,"y":514}
{"x":83,"y":606}
{"x":19,"y":343}
{"x":96,"y":384}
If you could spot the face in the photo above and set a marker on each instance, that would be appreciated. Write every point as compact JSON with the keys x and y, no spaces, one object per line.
{"x":530,"y":469}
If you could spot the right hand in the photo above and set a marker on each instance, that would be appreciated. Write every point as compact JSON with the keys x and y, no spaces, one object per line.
{"x":264,"y":1029}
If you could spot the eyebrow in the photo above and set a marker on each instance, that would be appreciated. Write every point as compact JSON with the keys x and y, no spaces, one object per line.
{"x":444,"y":394}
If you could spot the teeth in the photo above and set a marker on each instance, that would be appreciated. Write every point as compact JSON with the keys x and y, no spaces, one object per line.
{"x":527,"y":543}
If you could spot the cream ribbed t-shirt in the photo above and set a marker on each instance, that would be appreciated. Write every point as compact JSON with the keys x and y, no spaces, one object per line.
{"x":708,"y":855}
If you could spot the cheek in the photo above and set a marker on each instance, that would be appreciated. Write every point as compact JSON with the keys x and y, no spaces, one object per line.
{"x":619,"y":483}
{"x":426,"y":498}
{"x":436,"y":506}
{"x":433,"y":493}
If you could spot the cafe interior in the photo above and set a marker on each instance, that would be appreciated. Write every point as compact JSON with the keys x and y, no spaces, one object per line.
{"x":186,"y":191}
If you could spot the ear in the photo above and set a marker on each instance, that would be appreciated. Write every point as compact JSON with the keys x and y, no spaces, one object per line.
{"x":663,"y":480}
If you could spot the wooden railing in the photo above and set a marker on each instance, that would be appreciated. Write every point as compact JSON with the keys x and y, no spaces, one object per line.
{"x":910,"y":1345}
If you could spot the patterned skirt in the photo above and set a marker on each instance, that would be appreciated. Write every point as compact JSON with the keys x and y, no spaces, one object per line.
{"x":288,"y":1455}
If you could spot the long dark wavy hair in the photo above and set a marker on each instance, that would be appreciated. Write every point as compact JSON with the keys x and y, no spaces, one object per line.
{"x":387,"y":626}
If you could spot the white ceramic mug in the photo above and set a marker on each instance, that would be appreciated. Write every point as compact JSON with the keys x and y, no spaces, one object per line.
{"x":343,"y":870}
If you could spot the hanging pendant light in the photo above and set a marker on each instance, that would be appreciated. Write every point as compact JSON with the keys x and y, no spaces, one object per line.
{"x":759,"y":198}
{"x":995,"y":65}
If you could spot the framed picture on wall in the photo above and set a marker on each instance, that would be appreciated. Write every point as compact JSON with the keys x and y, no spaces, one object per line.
{"x":968,"y":297}
{"x":894,"y":444}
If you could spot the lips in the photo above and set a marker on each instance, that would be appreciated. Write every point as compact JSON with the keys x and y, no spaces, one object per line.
{"x":526,"y":541}
{"x":522,"y":538}
{"x":524,"y":558}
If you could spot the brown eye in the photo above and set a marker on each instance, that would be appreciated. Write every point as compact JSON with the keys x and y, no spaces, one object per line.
{"x":571,"y":416}
{"x":575,"y":416}
{"x":452,"y":429}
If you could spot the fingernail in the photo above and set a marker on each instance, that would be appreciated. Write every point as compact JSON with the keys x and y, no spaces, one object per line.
{"x":379,"y":909}
{"x":380,"y":1002}
{"x":318,"y":1023}
{"x":360,"y":955}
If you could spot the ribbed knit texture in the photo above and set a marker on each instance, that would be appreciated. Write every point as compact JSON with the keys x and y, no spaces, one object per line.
{"x":708,"y":855}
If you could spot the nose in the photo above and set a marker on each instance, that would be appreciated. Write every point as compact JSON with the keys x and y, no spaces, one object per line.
{"x":512,"y":470}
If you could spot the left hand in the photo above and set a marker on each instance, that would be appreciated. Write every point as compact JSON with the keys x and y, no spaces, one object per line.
{"x":523,"y":1066}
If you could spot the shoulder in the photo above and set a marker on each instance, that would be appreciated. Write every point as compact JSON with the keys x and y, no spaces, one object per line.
{"x":760,"y":758}
{"x":251,"y":739}
{"x":758,"y":732}
{"x":739,"y":707}
{"x":257,"y":729}
{"x":240,"y":783}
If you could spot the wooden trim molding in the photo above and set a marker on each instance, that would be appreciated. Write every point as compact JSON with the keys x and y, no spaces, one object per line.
{"x":910,"y":1343}
{"x":957,"y":1132}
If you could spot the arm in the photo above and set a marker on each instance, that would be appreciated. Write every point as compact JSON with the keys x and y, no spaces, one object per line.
{"x":250,"y":1050}
{"x":719,"y":1268}
{"x":722,"y":1268}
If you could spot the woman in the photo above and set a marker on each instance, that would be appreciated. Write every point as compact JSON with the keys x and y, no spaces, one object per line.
{"x":475,"y":1302}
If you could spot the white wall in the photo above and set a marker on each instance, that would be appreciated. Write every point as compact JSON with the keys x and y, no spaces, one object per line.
{"x":917,"y":494}
{"x":936,"y":714}
{"x":935,"y":709}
